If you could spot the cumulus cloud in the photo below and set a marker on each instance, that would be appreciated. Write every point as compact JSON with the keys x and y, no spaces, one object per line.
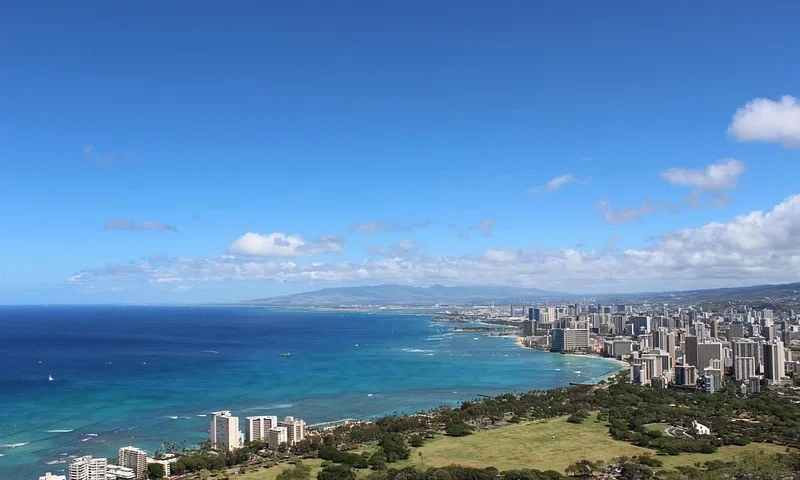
{"x":765,"y":120}
{"x":722,"y":175}
{"x":371,"y":228}
{"x":485,"y":226}
{"x":403,"y":248}
{"x":106,"y":158}
{"x":283,"y":246}
{"x":129,"y":225}
{"x":558,"y":182}
{"x":758,"y":247}
{"x":625,"y":215}
{"x":714,"y":181}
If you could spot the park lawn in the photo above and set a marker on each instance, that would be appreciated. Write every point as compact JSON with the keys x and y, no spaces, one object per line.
{"x":272,"y":473}
{"x":659,"y":427}
{"x":725,"y":453}
{"x":544,"y":445}
{"x":531,"y":445}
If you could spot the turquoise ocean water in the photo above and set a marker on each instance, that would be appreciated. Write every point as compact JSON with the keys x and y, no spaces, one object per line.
{"x":143,"y":375}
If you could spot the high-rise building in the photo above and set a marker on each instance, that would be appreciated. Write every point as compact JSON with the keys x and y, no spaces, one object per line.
{"x":135,"y":459}
{"x":708,"y":385}
{"x":769,"y":332}
{"x":570,"y":339}
{"x":749,"y":347}
{"x":530,"y":314}
{"x":50,"y":476}
{"x":257,"y":428}
{"x":744,"y":368}
{"x":225,"y":433}
{"x":774,"y":358}
{"x":276,"y":436}
{"x":715,"y":328}
{"x":116,"y":472}
{"x":685,"y":375}
{"x":735,"y":330}
{"x":295,"y":429}
{"x":754,"y":384}
{"x":619,"y":324}
{"x":88,"y":468}
{"x":527,"y":328}
{"x":690,"y":350}
{"x":641,"y":324}
{"x":665,"y":340}
{"x":706,"y":352}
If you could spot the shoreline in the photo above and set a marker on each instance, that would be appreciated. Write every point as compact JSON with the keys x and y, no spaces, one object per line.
{"x":622,"y":365}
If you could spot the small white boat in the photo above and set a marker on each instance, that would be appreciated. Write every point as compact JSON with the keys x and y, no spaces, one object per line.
{"x":49,"y":378}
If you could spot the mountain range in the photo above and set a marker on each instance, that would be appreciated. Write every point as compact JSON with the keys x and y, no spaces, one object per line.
{"x":408,"y":295}
{"x":438,"y":294}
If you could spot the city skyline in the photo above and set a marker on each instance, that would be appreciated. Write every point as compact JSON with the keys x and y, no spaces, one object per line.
{"x":220,"y":154}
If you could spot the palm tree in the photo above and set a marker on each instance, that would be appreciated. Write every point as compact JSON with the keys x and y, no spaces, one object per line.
{"x":421,"y":459}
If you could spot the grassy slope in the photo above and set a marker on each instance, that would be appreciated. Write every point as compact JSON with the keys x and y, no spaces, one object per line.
{"x":272,"y":473}
{"x":531,"y":445}
{"x":659,"y":427}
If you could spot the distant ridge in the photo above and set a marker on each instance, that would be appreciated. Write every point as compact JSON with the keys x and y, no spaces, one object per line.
{"x":408,"y":295}
{"x":437,"y":294}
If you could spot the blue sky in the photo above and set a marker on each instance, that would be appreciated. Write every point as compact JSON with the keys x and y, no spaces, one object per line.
{"x":404,"y":142}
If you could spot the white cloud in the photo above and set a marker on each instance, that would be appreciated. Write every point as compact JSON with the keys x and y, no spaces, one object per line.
{"x":486,"y":226}
{"x":403,"y":248}
{"x":497,"y":255}
{"x":129,"y":225}
{"x":758,"y":247}
{"x":106,"y":158}
{"x":722,"y":175}
{"x":625,"y":215}
{"x":283,"y":246}
{"x":371,"y":228}
{"x":765,"y":120}
{"x":558,"y":182}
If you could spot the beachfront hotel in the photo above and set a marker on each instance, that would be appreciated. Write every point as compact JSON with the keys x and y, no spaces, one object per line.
{"x":50,"y":476}
{"x":225,"y":433}
{"x":135,"y":459}
{"x":88,"y":468}
{"x":257,"y":428}
{"x":296,"y":429}
{"x":276,"y":436}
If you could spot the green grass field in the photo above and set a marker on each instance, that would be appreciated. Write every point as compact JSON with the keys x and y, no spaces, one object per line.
{"x":544,"y":445}
{"x":659,"y":427}
{"x":550,"y":445}
{"x":272,"y":473}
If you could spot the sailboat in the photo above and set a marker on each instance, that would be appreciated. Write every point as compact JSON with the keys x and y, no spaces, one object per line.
{"x":49,"y":378}
{"x":286,"y":354}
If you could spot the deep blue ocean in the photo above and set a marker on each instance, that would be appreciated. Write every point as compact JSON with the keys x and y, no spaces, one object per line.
{"x":144,"y":375}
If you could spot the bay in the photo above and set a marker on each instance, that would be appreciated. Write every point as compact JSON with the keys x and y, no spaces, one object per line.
{"x":142,"y":375}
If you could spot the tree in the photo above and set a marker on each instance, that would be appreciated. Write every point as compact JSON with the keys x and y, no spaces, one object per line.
{"x":155,"y":470}
{"x":635,"y":471}
{"x":377,"y":461}
{"x":299,"y":472}
{"x":581,"y":468}
{"x":394,"y":447}
{"x":204,"y":474}
{"x":416,"y":440}
{"x":458,"y":429}
{"x":337,"y":472}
